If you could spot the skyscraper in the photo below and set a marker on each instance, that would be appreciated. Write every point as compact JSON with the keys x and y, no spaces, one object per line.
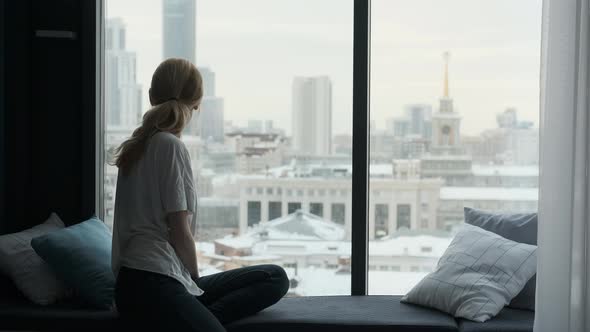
{"x":420,"y":120}
{"x":210,"y":123}
{"x":211,"y":120}
{"x":416,"y":122}
{"x":179,"y":29}
{"x":123,"y":94}
{"x":208,"y":81}
{"x":312,"y":115}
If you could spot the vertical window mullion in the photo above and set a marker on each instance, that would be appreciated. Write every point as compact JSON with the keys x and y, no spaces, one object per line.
{"x":360,"y":147}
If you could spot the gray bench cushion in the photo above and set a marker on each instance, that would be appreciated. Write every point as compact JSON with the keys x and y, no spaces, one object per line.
{"x":508,"y":320}
{"x":345,"y":313}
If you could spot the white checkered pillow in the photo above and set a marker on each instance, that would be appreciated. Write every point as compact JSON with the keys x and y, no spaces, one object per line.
{"x":31,"y":275}
{"x":477,"y":275}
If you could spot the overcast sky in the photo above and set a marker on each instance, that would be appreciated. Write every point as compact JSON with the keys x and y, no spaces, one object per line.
{"x":256,"y":47}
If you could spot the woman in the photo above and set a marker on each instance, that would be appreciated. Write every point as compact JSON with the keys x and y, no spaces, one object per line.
{"x":154,"y":257}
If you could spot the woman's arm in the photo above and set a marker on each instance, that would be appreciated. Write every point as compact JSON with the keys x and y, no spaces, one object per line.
{"x":182,"y":240}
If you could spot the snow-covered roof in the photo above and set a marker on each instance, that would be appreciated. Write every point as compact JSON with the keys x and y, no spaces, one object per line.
{"x":320,"y":282}
{"x":484,"y":170}
{"x":410,"y":245}
{"x":256,"y":258}
{"x":424,"y":244}
{"x":237,"y":242}
{"x":300,"y":225}
{"x":489,"y":194}
{"x":205,"y":247}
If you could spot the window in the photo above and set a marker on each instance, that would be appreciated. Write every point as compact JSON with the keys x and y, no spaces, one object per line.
{"x":404,"y":216}
{"x":424,"y":224}
{"x":439,"y":138}
{"x":274,"y":210}
{"x":245,"y":149}
{"x":338,"y":213}
{"x":381,"y":220}
{"x":254,"y":213}
{"x":424,"y":206}
{"x":426,"y":249}
{"x":454,"y":120}
{"x":316,"y":209}
{"x":292,"y":207}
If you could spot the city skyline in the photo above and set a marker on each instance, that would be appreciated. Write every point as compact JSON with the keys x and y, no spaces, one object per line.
{"x":490,"y":70}
{"x":271,"y":153}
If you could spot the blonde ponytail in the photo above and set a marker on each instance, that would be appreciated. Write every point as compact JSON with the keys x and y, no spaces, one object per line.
{"x":176,"y":89}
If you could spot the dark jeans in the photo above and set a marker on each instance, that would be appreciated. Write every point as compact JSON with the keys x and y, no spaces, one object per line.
{"x":153,"y":301}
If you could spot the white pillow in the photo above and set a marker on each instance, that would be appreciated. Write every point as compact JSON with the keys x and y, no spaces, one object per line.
{"x":31,"y":275}
{"x":477,"y":275}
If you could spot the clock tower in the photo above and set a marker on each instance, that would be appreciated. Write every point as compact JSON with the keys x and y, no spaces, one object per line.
{"x":447,"y":159}
{"x":446,"y":123}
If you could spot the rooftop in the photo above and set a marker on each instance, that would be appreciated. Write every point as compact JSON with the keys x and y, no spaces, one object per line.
{"x":483,"y":170}
{"x":489,"y":194}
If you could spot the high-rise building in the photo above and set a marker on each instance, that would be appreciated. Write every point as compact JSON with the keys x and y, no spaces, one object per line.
{"x":179,"y":26}
{"x":255,"y":126}
{"x":416,"y":122}
{"x":268,"y":126}
{"x":211,"y":120}
{"x":420,"y":120}
{"x":123,"y":93}
{"x":507,"y":119}
{"x":210,"y":124}
{"x":312,"y":115}
{"x":208,"y":76}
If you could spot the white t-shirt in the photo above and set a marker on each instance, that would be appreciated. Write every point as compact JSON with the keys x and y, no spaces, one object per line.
{"x":159,"y":183}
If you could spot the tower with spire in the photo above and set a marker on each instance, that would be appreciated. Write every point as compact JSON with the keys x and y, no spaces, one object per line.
{"x":446,"y":123}
{"x":447,"y":158}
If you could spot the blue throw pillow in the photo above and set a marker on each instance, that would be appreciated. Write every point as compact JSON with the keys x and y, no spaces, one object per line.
{"x":518,"y":227}
{"x":80,"y":255}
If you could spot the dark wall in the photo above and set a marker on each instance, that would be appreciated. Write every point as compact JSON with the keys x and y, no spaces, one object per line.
{"x":2,"y":162}
{"x":49,"y":111}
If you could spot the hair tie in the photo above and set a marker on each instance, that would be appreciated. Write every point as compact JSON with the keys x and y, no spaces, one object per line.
{"x":172,"y":98}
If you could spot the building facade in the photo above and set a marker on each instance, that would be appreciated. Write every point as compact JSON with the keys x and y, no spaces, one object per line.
{"x":123,"y":93}
{"x":405,"y":202}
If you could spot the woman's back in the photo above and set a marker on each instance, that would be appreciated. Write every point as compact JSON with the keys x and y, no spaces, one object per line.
{"x":160,"y":182}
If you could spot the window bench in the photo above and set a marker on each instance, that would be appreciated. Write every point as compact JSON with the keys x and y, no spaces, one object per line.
{"x":321,"y":313}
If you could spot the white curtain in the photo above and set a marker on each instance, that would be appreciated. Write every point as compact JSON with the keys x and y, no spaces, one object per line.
{"x":563,"y":272}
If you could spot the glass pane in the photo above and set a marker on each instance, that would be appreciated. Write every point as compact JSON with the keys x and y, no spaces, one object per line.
{"x":454,"y":124}
{"x":271,"y":147}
